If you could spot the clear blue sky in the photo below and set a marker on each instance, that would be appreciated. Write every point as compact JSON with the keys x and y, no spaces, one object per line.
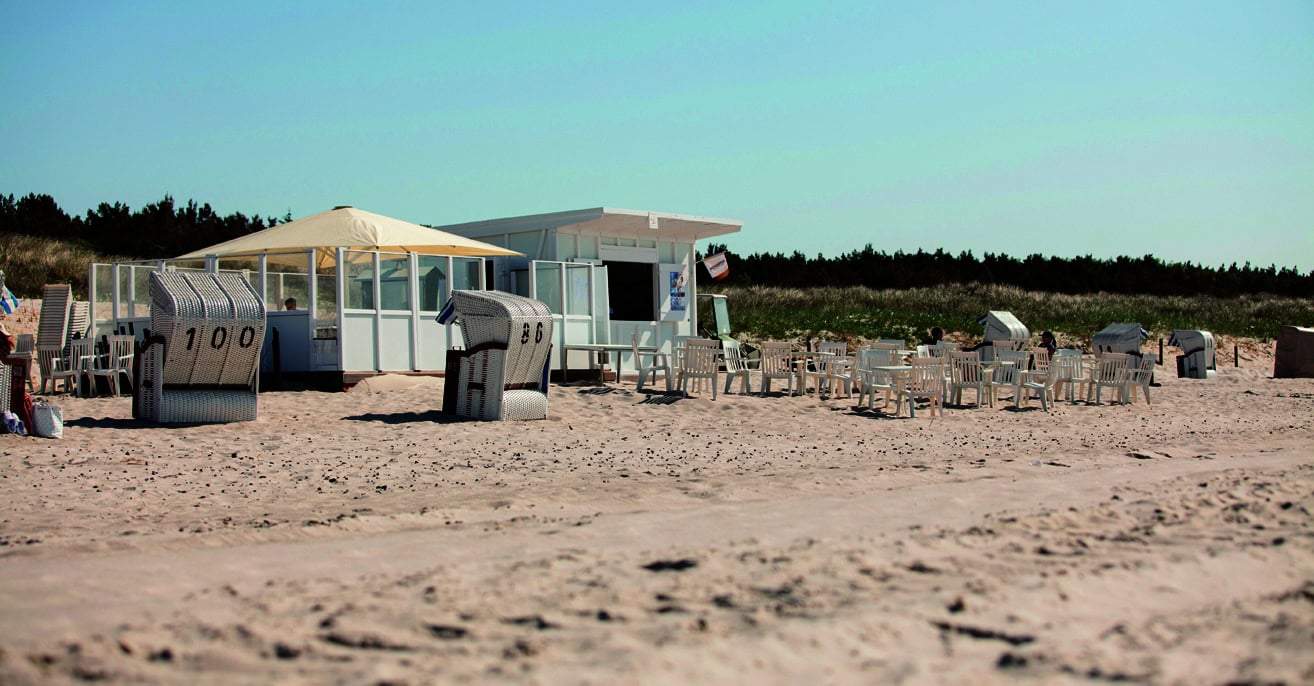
{"x":1185,"y":130}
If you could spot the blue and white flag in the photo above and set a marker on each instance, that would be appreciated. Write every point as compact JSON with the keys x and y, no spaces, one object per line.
{"x":8,"y":302}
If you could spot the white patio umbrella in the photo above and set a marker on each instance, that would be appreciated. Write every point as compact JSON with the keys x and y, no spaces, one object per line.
{"x":348,"y":227}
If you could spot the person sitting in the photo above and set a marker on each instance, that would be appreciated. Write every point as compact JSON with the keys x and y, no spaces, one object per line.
{"x":1048,"y":342}
{"x":290,"y":304}
{"x":20,"y":403}
{"x":937,"y":335}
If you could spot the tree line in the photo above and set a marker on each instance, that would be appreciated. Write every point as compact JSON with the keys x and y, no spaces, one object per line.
{"x":158,"y":230}
{"x":1077,"y":275}
{"x":166,"y":229}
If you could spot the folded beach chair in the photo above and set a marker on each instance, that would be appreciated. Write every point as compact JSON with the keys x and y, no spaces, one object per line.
{"x":199,"y":364}
{"x":502,"y":372}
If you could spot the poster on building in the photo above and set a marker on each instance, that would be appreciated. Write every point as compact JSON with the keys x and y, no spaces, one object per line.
{"x":675,"y":293}
{"x":678,"y":295}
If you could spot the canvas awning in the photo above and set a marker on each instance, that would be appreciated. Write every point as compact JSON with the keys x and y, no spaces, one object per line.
{"x":351,"y":228}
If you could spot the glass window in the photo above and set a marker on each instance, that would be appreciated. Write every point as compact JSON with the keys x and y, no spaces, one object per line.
{"x":547,"y":281}
{"x":465,"y":273}
{"x":141,"y":291}
{"x":360,"y":280}
{"x":433,"y":282}
{"x":104,"y":274}
{"x":326,"y":297}
{"x":577,"y":288}
{"x":631,"y":291}
{"x":394,"y":282}
{"x":285,"y":291}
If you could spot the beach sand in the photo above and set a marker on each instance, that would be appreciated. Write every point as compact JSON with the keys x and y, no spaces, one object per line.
{"x":364,"y":537}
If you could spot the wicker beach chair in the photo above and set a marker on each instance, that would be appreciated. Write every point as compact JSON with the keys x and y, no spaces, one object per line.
{"x":502,"y":373}
{"x":200,"y":363}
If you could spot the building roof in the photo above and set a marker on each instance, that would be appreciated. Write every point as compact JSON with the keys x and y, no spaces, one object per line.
{"x":605,"y":221}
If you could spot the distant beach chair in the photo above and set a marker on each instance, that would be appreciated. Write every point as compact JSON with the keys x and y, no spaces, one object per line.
{"x":24,"y":349}
{"x":1139,"y":374}
{"x":699,"y":359}
{"x":1044,"y":388}
{"x":1071,"y":372}
{"x":502,"y":374}
{"x":776,"y":362}
{"x":1007,"y":371}
{"x":116,"y":362}
{"x":737,"y":366}
{"x":649,"y":363}
{"x":870,"y":379}
{"x":200,"y":364}
{"x":965,"y":371}
{"x":1110,"y":372}
{"x":833,"y":369}
{"x":924,"y":382}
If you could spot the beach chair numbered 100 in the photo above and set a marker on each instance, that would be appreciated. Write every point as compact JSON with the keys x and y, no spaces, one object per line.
{"x":200,"y":364}
{"x":502,"y":372}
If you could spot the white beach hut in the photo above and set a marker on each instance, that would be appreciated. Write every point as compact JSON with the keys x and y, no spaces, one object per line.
{"x":1198,"y":360}
{"x":347,"y":293}
{"x":1004,"y":331}
{"x":1121,"y":337}
{"x":368,"y":288}
{"x":606,"y":274}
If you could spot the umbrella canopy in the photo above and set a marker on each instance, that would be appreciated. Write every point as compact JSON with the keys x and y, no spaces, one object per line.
{"x":348,"y":227}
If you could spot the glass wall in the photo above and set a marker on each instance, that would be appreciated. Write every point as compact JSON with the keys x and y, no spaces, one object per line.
{"x":433,"y":282}
{"x":577,"y":289}
{"x":547,"y":284}
{"x":465,"y":273}
{"x":394,"y":282}
{"x":359,"y":273}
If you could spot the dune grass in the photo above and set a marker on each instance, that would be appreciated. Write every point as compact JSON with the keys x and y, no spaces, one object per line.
{"x":767,"y":312}
{"x":771,"y":312}
{"x":30,"y":263}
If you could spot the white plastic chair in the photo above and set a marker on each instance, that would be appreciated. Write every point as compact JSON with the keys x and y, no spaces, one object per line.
{"x":870,"y":379}
{"x":649,"y":363}
{"x":1040,"y":359}
{"x":834,"y":368}
{"x":924,"y":382}
{"x":24,"y":348}
{"x":71,"y":368}
{"x":699,"y":359}
{"x":1139,"y":375}
{"x":942,"y":349}
{"x":116,"y":362}
{"x":965,"y":371}
{"x":738,"y":366}
{"x":1070,"y":372}
{"x":1043,"y":388}
{"x":1006,"y":372}
{"x":1110,"y":372}
{"x":776,"y":361}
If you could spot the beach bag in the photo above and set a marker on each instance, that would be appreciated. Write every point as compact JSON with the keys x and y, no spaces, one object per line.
{"x":13,"y":424}
{"x":48,"y":420}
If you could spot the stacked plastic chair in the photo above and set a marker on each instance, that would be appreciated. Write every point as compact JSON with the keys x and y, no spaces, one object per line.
{"x":502,"y":372}
{"x":200,"y":363}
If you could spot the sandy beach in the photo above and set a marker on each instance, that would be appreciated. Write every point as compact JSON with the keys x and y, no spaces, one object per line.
{"x":364,"y":537}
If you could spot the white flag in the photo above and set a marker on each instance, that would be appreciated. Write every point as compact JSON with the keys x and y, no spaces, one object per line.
{"x":717,"y":266}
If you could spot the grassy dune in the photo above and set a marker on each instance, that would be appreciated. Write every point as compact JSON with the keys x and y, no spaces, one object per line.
{"x":30,"y":263}
{"x":768,"y":312}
